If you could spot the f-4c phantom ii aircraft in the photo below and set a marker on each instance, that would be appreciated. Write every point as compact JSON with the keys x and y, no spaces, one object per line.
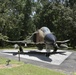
{"x":42,"y":37}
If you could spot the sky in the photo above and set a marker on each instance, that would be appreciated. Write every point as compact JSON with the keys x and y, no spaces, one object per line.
{"x":35,"y":0}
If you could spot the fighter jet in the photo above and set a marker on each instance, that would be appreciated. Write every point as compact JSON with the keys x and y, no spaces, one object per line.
{"x":43,"y":37}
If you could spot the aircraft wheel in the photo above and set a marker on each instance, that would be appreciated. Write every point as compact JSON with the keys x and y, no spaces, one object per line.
{"x":40,"y":47}
{"x":47,"y":54}
{"x":20,"y":49}
{"x":55,"y":49}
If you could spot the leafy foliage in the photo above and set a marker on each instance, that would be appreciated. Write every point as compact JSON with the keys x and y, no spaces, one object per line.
{"x":59,"y":19}
{"x":2,"y":37}
{"x":19,"y":18}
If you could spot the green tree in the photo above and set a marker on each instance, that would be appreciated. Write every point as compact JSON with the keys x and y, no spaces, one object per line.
{"x":20,"y":18}
{"x":73,"y":28}
{"x":15,"y":20}
{"x":59,"y":19}
{"x":2,"y":39}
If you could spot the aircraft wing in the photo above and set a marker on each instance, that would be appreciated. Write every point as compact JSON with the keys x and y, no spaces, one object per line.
{"x":62,"y":42}
{"x":17,"y":42}
{"x":28,"y":42}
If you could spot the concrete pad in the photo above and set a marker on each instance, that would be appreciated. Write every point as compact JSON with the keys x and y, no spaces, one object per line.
{"x":36,"y":55}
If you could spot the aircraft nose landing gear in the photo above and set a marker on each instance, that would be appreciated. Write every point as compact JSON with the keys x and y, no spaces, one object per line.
{"x":20,"y":49}
{"x":47,"y":54}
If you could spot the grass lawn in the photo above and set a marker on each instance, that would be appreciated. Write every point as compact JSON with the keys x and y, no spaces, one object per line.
{"x":3,"y":61}
{"x":74,"y":73}
{"x":25,"y":69}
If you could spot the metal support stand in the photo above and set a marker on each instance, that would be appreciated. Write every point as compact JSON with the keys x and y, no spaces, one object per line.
{"x":47,"y":50}
{"x":19,"y":56}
